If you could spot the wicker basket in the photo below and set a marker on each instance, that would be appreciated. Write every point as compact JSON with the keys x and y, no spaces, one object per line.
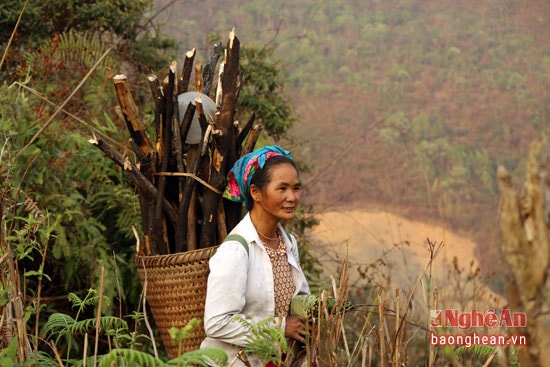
{"x":176,"y":291}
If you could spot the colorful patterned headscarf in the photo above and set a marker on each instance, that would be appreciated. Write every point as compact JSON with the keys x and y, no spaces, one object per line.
{"x":241,"y":174}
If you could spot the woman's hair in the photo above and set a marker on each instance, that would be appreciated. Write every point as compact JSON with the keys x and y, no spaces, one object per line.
{"x":262,"y":176}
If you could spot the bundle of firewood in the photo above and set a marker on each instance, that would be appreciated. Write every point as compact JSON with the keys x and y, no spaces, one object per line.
{"x":180,"y":177}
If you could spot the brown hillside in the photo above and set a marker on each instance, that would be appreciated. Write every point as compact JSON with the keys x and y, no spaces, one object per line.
{"x":389,"y":251}
{"x":407,"y":105}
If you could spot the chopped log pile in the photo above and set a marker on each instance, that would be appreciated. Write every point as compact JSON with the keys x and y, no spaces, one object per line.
{"x":180,"y":177}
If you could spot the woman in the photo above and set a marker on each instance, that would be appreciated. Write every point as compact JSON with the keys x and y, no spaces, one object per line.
{"x":257,"y":282}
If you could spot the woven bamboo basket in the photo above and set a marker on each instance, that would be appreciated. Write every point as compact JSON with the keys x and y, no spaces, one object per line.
{"x":176,"y":291}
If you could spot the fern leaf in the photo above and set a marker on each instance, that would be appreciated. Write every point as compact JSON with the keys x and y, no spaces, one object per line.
{"x":476,"y":350}
{"x":129,"y":358}
{"x":45,"y":360}
{"x":265,"y":339}
{"x":63,"y":324}
{"x":106,"y":323}
{"x":201,"y":357}
{"x":58,"y":323}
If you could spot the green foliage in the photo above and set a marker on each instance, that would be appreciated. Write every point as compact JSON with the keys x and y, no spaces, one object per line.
{"x":62,"y":325}
{"x":141,"y":48}
{"x":479,"y":351}
{"x":91,"y":206}
{"x":179,"y":334}
{"x":265,"y":340}
{"x":307,"y":306}
{"x":128,"y":357}
{"x":62,"y":329}
{"x":44,"y":18}
{"x":8,"y":355}
{"x":262,"y":90}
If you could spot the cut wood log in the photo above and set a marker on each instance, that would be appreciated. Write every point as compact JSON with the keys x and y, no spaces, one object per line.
{"x":189,"y":189}
{"x":180,"y":178}
{"x":159,"y":234}
{"x":210,"y":68}
{"x":144,"y":186}
{"x":140,"y":141}
{"x":253,"y":136}
{"x":198,"y":77}
{"x":224,"y":151}
{"x":244,"y":132}
{"x":183,"y":85}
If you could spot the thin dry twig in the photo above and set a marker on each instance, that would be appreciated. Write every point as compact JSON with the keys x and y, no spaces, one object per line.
{"x":13,"y":33}
{"x":491,"y":357}
{"x":145,"y":318}
{"x":98,"y":317}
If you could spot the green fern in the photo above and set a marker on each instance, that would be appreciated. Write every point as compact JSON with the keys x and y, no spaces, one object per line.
{"x":265,"y":340}
{"x":128,"y":358}
{"x":91,"y":299}
{"x":61,"y":324}
{"x":75,"y":48}
{"x":476,"y":350}
{"x":212,"y":357}
{"x":45,"y":360}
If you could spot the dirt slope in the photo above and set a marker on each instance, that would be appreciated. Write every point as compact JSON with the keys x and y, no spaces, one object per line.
{"x":391,"y":251}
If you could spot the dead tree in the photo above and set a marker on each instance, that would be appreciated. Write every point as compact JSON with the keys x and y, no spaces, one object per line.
{"x":525,"y":224}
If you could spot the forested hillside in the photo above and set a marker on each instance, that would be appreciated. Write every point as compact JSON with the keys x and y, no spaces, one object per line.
{"x":407,"y":105}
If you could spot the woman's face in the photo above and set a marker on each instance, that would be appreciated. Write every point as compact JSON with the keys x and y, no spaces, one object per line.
{"x":281,"y":195}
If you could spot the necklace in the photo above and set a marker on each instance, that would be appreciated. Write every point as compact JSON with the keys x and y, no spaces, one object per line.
{"x":270,"y":238}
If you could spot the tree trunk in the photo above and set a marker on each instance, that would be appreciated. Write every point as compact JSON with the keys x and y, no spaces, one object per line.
{"x":524,"y":221}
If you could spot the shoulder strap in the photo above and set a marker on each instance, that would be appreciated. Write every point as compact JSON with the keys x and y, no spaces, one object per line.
{"x":288,"y":235}
{"x":238,"y":238}
{"x":242,"y":241}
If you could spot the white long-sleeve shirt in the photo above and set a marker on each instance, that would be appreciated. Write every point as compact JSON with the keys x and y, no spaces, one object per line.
{"x":241,"y":284}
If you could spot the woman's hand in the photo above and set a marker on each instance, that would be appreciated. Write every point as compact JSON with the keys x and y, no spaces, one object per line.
{"x":295,"y":328}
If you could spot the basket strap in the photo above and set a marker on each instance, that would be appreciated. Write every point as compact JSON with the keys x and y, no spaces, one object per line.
{"x":242,"y":241}
{"x":238,"y":238}
{"x":288,"y":235}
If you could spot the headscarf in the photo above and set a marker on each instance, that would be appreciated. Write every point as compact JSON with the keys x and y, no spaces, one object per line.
{"x":240,"y":176}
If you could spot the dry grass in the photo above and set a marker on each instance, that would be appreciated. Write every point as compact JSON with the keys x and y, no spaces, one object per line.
{"x":393,"y":284}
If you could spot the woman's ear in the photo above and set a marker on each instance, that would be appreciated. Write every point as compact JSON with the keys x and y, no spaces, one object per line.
{"x":254,"y":192}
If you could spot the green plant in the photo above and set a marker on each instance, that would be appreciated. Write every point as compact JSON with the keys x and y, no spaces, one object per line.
{"x":268,"y":342}
{"x":126,"y":357}
{"x":476,"y":350}
{"x":8,"y":355}
{"x":64,"y":327}
{"x":63,"y":330}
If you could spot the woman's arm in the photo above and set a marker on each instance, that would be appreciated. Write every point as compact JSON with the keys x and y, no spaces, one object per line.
{"x":226,"y":295}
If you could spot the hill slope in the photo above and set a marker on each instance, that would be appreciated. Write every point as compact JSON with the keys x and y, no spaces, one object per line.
{"x":409,"y":105}
{"x":385,"y":250}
